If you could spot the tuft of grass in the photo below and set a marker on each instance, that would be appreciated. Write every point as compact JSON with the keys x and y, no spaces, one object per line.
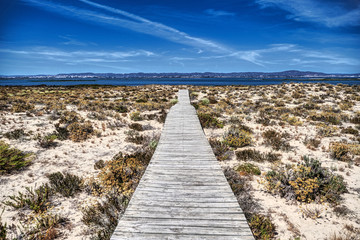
{"x":36,"y":200}
{"x":66,"y":184}
{"x":12,"y":158}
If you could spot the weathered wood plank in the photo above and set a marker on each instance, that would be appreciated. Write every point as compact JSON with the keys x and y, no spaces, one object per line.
{"x":183,"y":193}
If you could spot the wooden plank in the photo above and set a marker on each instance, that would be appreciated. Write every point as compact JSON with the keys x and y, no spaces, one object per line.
{"x":183,"y":193}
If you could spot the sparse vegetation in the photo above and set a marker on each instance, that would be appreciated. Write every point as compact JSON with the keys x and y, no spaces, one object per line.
{"x":12,"y":159}
{"x":66,"y":184}
{"x":306,"y":182}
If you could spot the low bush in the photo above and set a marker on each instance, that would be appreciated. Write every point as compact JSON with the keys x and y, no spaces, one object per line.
{"x":350,"y":130}
{"x":208,"y":120}
{"x":235,"y":137}
{"x":123,"y":172}
{"x":306,"y":182}
{"x":254,"y":155}
{"x":15,"y":134}
{"x":69,"y":117}
{"x":45,"y":227}
{"x":121,"y":109}
{"x":12,"y":158}
{"x":220,"y":149}
{"x":326,"y":130}
{"x":47,"y":141}
{"x":327,"y":117}
{"x":36,"y":200}
{"x":80,"y":132}
{"x":22,"y":107}
{"x":136,"y":127}
{"x":341,"y":151}
{"x":66,"y":184}
{"x":312,"y":143}
{"x":102,"y":217}
{"x":262,"y":227}
{"x":205,"y":101}
{"x":134,"y":137}
{"x":248,"y":169}
{"x":136,"y":116}
{"x":276,"y":140}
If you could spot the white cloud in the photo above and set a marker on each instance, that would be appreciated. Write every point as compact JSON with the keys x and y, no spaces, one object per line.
{"x":79,"y":56}
{"x":328,"y":14}
{"x":136,"y":23}
{"x":218,"y":13}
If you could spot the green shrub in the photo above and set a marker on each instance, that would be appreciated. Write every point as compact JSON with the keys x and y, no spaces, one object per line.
{"x":174,"y":101}
{"x":205,"y":101}
{"x":248,"y":169}
{"x":208,"y":120}
{"x":306,"y":182}
{"x":12,"y":158}
{"x":66,"y":184}
{"x":262,"y":227}
{"x":36,"y":200}
{"x":237,"y":138}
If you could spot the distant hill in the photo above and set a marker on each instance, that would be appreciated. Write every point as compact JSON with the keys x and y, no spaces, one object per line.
{"x":259,"y":75}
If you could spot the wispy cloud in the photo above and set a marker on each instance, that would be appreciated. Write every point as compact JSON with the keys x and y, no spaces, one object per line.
{"x":67,"y":40}
{"x":218,"y":13}
{"x":330,"y":14}
{"x":282,"y":54}
{"x":73,"y":57}
{"x":130,"y":21}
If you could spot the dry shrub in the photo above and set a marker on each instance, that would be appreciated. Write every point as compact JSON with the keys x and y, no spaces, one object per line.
{"x":276,"y":140}
{"x":235,"y":137}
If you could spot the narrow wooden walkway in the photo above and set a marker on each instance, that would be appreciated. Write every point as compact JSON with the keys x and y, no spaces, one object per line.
{"x":183,"y":193}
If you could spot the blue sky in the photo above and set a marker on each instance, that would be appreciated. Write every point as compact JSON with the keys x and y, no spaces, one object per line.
{"x":122,"y":36}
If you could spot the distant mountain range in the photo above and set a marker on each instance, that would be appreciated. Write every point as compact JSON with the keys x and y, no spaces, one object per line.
{"x":258,"y":75}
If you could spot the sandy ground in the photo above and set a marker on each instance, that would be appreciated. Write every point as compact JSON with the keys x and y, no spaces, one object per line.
{"x":79,"y":157}
{"x":288,"y":216}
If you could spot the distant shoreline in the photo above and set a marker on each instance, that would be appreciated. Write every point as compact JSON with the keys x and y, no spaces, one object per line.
{"x":171,"y":81}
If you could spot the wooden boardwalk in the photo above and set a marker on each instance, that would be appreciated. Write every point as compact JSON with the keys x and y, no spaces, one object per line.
{"x":183,"y":193}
